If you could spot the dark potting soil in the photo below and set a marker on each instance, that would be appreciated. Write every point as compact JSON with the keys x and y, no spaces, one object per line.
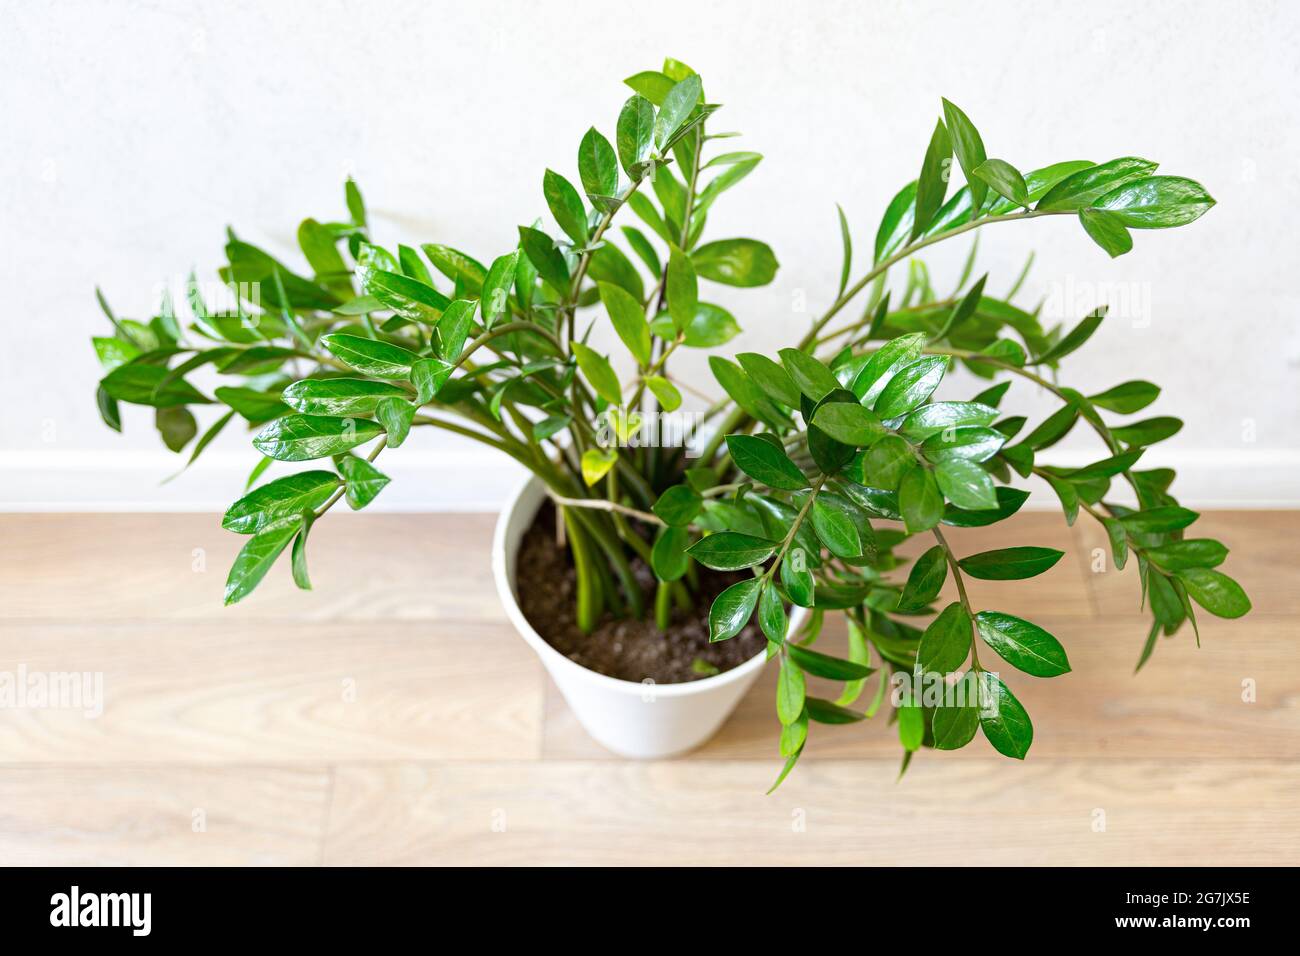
{"x":626,"y":648}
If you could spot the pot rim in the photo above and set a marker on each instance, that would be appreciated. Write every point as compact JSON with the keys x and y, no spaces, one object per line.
{"x":553,"y":658}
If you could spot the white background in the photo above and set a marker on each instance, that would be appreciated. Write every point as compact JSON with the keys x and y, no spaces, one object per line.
{"x":136,"y":131}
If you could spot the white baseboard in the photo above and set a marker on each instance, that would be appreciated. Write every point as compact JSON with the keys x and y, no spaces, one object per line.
{"x":480,"y":480}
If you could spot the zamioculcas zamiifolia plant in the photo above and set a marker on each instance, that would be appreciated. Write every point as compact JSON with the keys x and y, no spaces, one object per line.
{"x":823,"y":460}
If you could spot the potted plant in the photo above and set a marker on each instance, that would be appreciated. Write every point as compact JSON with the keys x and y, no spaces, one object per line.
{"x":647,"y":569}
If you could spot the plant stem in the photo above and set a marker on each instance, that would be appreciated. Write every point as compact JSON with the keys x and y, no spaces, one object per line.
{"x":962,"y":596}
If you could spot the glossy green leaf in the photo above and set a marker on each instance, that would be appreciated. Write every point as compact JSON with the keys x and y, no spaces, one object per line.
{"x":828,"y":712}
{"x":932,"y":184}
{"x":599,"y":373}
{"x":1215,"y":591}
{"x":628,"y":319}
{"x":911,"y":386}
{"x":967,"y":442}
{"x":1010,"y":564}
{"x":919,"y":500}
{"x":1086,"y":186}
{"x":886,"y":462}
{"x":257,"y":556}
{"x":456,"y":266}
{"x":771,"y":614}
{"x":736,"y":262}
{"x":945,"y":644}
{"x":774,"y":380}
{"x":339,"y":396}
{"x":936,"y":417}
{"x":732,"y":609}
{"x":969,"y":147}
{"x":1107,"y":230}
{"x":824,"y":665}
{"x":566,"y":206}
{"x":545,"y":258}
{"x":1023,"y":644}
{"x":954,"y":727}
{"x":1003,"y":719}
{"x":731,"y":550}
{"x":665,"y":391}
{"x":494,"y":299}
{"x":797,"y":579}
{"x":1076,"y":337}
{"x":681,"y":289}
{"x":791,"y":691}
{"x":765,"y":462}
{"x":395,"y":415}
{"x":849,"y":422}
{"x":1009,"y":501}
{"x":596,"y":463}
{"x":407,"y":297}
{"x":884,"y":364}
{"x":835,"y":530}
{"x":597,"y":166}
{"x":896,"y":223}
{"x":370,"y":356}
{"x":965,"y":484}
{"x":678,"y":505}
{"x":1158,"y":520}
{"x":149,"y":385}
{"x":1156,"y":202}
{"x":364,"y":481}
{"x":924,"y":581}
{"x":1005,"y":180}
{"x":810,"y":376}
{"x":635,"y":136}
{"x":1148,"y":431}
{"x":677,"y":105}
{"x":1189,"y":553}
{"x":668,"y":557}
{"x":305,"y":437}
{"x":176,"y":426}
{"x":256,"y":407}
{"x":276,"y":500}
{"x":1127,"y":398}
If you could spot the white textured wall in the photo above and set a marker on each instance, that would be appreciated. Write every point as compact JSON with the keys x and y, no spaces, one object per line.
{"x":135,"y":131}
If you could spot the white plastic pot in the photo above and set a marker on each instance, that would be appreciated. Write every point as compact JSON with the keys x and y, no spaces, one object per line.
{"x":641,"y":720}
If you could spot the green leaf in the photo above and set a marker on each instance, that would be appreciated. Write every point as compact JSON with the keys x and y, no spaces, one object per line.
{"x":911,"y":727}
{"x":911,"y":386}
{"x":149,"y":385}
{"x":364,"y":481}
{"x":255,"y":406}
{"x":954,"y":727}
{"x":886,"y":462}
{"x":1118,"y":541}
{"x":176,"y":426}
{"x":1039,"y":181}
{"x":597,"y":370}
{"x":677,"y":105}
{"x":846,"y":242}
{"x":596,"y":463}
{"x":651,"y":84}
{"x":932,"y":184}
{"x":665,"y":391}
{"x":732,"y":608}
{"x":924,"y":581}
{"x":1086,"y":186}
{"x":678,"y":505}
{"x":896,"y":222}
{"x":299,"y":556}
{"x":824,"y":665}
{"x":628,"y":319}
{"x":395,"y":415}
{"x":1055,"y":427}
{"x":812,"y":377}
{"x":1156,"y":202}
{"x":945,"y":644}
{"x":731,"y":551}
{"x":304,"y":437}
{"x":1107,"y":230}
{"x":1215,"y":591}
{"x":797,"y":579}
{"x":770,"y":377}
{"x":566,"y":206}
{"x":791,"y":691}
{"x":356,"y":206}
{"x":1005,"y":723}
{"x":370,"y":356}
{"x":1068,"y":494}
{"x":936,"y":417}
{"x":1023,"y":644}
{"x":681,"y":289}
{"x":113,"y":352}
{"x":1005,"y":180}
{"x":835,"y":530}
{"x":597,"y":166}
{"x":884,"y":364}
{"x":1075,"y":338}
{"x":1149,"y":431}
{"x":849,"y":422}
{"x":635,"y":136}
{"x":456,"y":266}
{"x":339,"y":396}
{"x":407,"y":297}
{"x":826,"y":712}
{"x":965,"y":484}
{"x":968,"y":145}
{"x":765,"y":462}
{"x":546,"y":259}
{"x":668,"y":558}
{"x":967,"y":442}
{"x":494,"y":299}
{"x":1127,"y":398}
{"x":771,"y":614}
{"x":275,"y":500}
{"x":257,"y":556}
{"x":919,"y":500}
{"x":1010,"y":564}
{"x":736,"y":262}
{"x":1009,"y":502}
{"x":1189,"y":553}
{"x":1158,"y":520}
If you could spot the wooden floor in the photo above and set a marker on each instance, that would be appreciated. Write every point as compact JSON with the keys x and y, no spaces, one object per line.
{"x":392,"y":716}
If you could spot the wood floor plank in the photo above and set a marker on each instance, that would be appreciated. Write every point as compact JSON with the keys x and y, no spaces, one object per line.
{"x":1264,"y":556}
{"x":827,"y":813}
{"x":97,"y":567}
{"x":162,"y":816}
{"x":198,"y":692}
{"x":1187,"y":702}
